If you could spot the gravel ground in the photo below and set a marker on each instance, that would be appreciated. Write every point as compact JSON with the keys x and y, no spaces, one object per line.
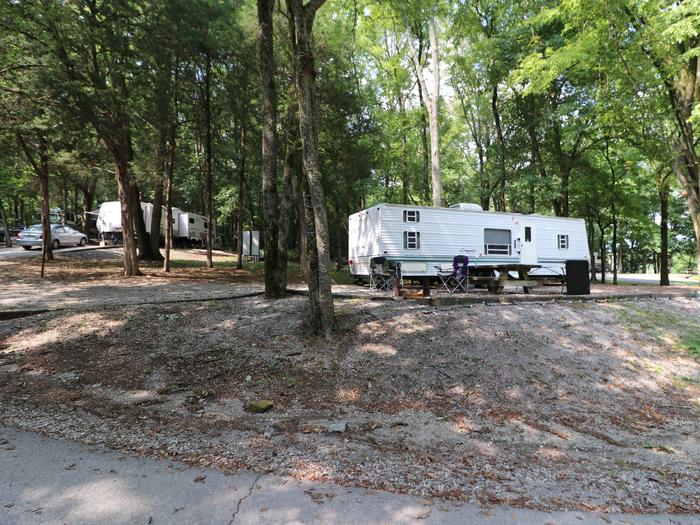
{"x":590,"y":406}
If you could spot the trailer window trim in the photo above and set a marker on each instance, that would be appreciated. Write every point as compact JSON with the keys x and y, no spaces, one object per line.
{"x":497,"y":241}
{"x":411,"y":216}
{"x":411,"y":240}
{"x":563,"y":241}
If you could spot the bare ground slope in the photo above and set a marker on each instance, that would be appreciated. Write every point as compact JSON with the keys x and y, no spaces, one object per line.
{"x":571,"y":405}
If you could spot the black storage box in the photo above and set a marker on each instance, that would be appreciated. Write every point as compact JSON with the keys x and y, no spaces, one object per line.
{"x":577,"y":282}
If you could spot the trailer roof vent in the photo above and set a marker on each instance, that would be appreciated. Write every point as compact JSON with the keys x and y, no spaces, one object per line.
{"x":467,"y":206}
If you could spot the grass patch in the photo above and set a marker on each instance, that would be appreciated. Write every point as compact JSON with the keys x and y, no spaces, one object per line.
{"x":691,"y":345}
{"x":686,"y":380}
{"x":660,"y":448}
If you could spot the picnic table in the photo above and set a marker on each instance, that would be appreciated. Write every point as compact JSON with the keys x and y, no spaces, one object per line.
{"x":496,"y":276}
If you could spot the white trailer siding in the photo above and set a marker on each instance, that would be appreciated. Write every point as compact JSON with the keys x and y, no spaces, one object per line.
{"x":446,"y":232}
{"x":364,"y":233}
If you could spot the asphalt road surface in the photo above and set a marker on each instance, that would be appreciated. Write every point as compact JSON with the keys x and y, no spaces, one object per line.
{"x":47,"y":481}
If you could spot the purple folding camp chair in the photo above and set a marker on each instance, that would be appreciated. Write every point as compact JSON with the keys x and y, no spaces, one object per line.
{"x":458,"y":278}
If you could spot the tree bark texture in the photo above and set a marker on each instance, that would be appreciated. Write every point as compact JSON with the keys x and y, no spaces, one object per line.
{"x":431,"y":102}
{"x":208,"y":162}
{"x":663,"y":230}
{"x":142,"y":236}
{"x":320,"y":292}
{"x":270,"y":206}
{"x":287,"y":196}
{"x":40,"y":166}
{"x":500,"y":200}
{"x":241,"y":192}
{"x":157,"y":215}
{"x":6,"y":229}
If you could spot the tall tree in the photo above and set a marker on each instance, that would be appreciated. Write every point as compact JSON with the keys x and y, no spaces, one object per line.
{"x":320,"y":283}
{"x":431,"y":101}
{"x":271,"y":218}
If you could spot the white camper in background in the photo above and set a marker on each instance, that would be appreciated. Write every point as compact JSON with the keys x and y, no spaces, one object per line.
{"x":423,"y":238}
{"x":109,"y":220}
{"x":251,"y":244}
{"x":192,"y":229}
{"x":176,"y":223}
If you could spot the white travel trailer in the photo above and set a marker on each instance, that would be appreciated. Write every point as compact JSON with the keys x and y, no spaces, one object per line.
{"x":109,"y":220}
{"x":188,"y":228}
{"x":423,"y":239}
{"x":192,"y":228}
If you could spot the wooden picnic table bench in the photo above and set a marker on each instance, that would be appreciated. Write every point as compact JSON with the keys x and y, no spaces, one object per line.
{"x":486,"y":273}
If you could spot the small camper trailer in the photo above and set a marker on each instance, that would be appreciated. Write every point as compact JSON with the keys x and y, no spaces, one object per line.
{"x":109,"y":220}
{"x":188,"y":228}
{"x":424,"y":239}
{"x":192,"y":229}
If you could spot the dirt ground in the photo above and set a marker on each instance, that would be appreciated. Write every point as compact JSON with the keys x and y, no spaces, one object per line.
{"x":571,"y":405}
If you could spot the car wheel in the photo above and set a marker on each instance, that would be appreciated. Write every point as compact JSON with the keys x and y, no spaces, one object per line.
{"x":27,"y":247}
{"x":83,"y":241}
{"x":55,"y":245}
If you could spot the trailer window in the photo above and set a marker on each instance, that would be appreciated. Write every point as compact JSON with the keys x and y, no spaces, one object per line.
{"x":411,"y":216}
{"x":191,"y":220}
{"x":496,"y":242}
{"x":206,"y":225}
{"x":411,"y":240}
{"x":528,"y":234}
{"x":563,"y":241}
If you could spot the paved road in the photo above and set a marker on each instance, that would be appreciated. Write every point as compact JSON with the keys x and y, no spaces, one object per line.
{"x":47,"y":481}
{"x":650,"y":278}
{"x":17,"y":252}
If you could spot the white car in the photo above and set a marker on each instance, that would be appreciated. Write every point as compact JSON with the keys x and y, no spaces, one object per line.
{"x":60,"y":236}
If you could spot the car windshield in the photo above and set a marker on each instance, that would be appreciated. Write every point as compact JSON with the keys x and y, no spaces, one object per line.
{"x":34,"y":228}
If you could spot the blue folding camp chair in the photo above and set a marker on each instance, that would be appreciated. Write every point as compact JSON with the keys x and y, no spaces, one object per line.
{"x":458,"y":278}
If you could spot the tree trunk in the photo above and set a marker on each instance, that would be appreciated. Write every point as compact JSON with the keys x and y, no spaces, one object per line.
{"x":241,"y":192}
{"x":405,"y":174}
{"x":131,"y":265}
{"x":172,"y":143}
{"x":208,"y":163}
{"x":663,"y":256}
{"x":614,"y":247}
{"x":320,"y":286}
{"x":41,"y":169}
{"x":431,"y":101}
{"x":142,"y":236}
{"x":6,"y":229}
{"x":157,"y":215}
{"x":303,"y":238}
{"x":88,"y":192}
{"x":591,"y":241}
{"x":270,"y":206}
{"x":287,"y":197}
{"x":426,"y":156}
{"x":501,"y":196}
{"x":64,"y":196}
{"x":169,"y":199}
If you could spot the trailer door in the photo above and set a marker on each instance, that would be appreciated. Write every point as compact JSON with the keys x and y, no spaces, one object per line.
{"x":526,"y":243}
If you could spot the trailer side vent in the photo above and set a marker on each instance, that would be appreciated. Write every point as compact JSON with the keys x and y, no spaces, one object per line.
{"x":411,"y":240}
{"x":563,"y":241}
{"x":411,"y":216}
{"x":496,"y":242}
